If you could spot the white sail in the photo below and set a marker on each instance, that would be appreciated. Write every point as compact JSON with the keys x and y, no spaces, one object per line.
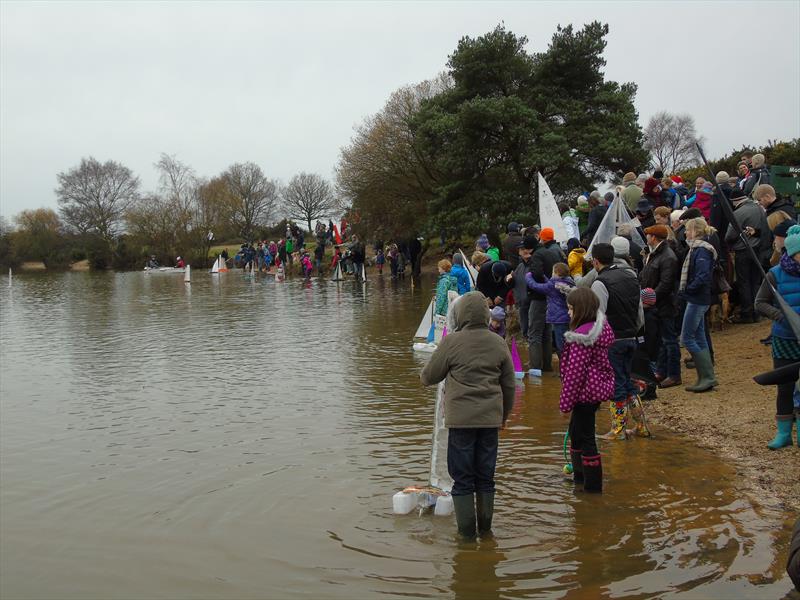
{"x":616,"y":215}
{"x":425,"y":323}
{"x":473,"y":272}
{"x":215,"y":268}
{"x":548,"y":212}
{"x":337,"y":273}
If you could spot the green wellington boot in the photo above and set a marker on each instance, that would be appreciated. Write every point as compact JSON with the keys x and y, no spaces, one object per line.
{"x":484,"y":501}
{"x":464,"y":507}
{"x":705,"y":373}
{"x":784,"y":436}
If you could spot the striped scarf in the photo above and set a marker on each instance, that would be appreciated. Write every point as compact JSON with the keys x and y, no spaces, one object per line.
{"x":687,"y":261}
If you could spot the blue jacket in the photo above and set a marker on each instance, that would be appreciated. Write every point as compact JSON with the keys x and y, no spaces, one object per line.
{"x":789,"y":287}
{"x":698,"y":283}
{"x":556,"y":290}
{"x":463,"y":278}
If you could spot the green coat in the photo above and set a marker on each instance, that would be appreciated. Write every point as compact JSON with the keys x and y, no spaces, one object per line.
{"x":476,"y":366}
{"x":447,"y":282}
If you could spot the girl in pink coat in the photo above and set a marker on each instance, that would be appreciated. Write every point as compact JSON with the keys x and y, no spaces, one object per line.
{"x":587,"y":379}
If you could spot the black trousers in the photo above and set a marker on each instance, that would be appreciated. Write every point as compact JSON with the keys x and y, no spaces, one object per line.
{"x":784,"y":405}
{"x":581,"y":429}
{"x":748,"y":280}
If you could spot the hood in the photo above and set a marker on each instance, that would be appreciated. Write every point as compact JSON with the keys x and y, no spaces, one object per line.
{"x":470,"y":312}
{"x":598,"y":333}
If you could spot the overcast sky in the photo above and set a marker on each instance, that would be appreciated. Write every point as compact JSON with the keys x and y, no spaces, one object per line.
{"x":283,"y":84}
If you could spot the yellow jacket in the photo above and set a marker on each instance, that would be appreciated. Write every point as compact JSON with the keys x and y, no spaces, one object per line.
{"x":575,"y":262}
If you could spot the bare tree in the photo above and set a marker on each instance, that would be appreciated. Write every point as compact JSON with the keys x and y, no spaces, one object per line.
{"x":308,"y":196}
{"x":178,"y":185}
{"x":252,"y":197}
{"x":94,"y":197}
{"x":670,"y":140}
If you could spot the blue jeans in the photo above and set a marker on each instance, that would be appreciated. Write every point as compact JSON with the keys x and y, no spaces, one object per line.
{"x":669,"y":355}
{"x":620,"y":355}
{"x":471,"y":459}
{"x":693,"y":332}
{"x":559,"y":329}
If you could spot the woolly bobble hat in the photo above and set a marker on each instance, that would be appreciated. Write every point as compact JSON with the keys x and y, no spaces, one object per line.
{"x":498,"y":314}
{"x":546,"y":235}
{"x":622,"y":247}
{"x":629,"y":177}
{"x":708,"y":188}
{"x":660,"y":231}
{"x":792,"y":242}
{"x":722,"y":177}
{"x":483,"y":242}
{"x":648,"y":296}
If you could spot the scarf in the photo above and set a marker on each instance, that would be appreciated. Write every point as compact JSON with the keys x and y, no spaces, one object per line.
{"x":790,"y":265}
{"x":693,"y":244}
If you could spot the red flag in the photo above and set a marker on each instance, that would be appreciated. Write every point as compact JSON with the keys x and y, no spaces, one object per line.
{"x":336,"y":236}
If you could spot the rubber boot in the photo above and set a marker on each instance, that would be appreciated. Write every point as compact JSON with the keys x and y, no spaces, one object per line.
{"x":484,"y":502}
{"x":784,"y":436}
{"x":592,"y":474}
{"x":547,"y":353}
{"x":464,"y":507}
{"x":577,"y":465}
{"x":619,"y":419}
{"x":535,"y":356}
{"x":636,"y":411}
{"x":705,"y":373}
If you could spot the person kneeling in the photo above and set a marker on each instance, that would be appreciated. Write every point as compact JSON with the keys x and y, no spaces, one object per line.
{"x":587,"y":379}
{"x":479,"y":394}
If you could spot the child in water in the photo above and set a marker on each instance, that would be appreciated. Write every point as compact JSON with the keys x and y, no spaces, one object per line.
{"x":498,"y":321}
{"x":556,"y":289}
{"x":478,"y":397}
{"x":305,"y":261}
{"x":587,"y":379}
{"x":380,"y":259}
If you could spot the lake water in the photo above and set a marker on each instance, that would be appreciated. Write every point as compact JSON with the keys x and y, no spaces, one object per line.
{"x":242,"y":439}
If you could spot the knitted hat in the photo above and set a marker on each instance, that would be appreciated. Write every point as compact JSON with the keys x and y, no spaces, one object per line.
{"x":458,"y":259}
{"x":513,"y":227}
{"x":660,"y":231}
{"x":648,"y":296}
{"x":547,"y":234}
{"x":708,"y":188}
{"x":499,"y":270}
{"x":643,"y":206}
{"x":609,"y":197}
{"x":498,"y":314}
{"x":677,"y":179}
{"x":792,"y":243}
{"x":483,"y":242}
{"x":629,"y":177}
{"x":722,"y":177}
{"x":622,"y":247}
{"x":528,"y":242}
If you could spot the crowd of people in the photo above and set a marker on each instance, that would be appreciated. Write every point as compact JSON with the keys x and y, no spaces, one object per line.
{"x":616,"y":313}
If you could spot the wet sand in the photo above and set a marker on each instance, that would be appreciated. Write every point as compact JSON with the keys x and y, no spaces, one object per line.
{"x":737,"y":419}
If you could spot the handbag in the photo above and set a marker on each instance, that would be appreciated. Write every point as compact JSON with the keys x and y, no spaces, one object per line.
{"x":719,"y":283}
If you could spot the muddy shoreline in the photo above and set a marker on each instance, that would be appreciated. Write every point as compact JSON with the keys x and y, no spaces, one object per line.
{"x":737,"y":419}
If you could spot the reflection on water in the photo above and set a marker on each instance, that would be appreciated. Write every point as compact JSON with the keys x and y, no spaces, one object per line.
{"x":238,"y":438}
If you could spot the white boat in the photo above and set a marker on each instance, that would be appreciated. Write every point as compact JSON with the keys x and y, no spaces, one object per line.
{"x":428,"y":347}
{"x":164,"y":270}
{"x":220,"y":266}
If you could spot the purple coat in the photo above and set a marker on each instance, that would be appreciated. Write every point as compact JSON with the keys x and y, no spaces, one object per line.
{"x":556,"y":290}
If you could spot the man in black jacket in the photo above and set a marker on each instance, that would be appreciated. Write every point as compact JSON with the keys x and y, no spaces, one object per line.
{"x":753,"y":222}
{"x":661,"y":274}
{"x":540,"y":333}
{"x":765,"y":195}
{"x":597,"y":210}
{"x":511,"y":244}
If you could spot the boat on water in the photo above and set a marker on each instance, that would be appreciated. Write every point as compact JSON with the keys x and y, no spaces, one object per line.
{"x":220,"y":266}
{"x":163,"y":270}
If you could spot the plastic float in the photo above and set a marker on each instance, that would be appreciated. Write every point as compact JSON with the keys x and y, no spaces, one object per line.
{"x":337,"y":273}
{"x":187,"y":276}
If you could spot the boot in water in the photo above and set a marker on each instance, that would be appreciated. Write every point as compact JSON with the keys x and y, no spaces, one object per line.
{"x":592,"y":474}
{"x":636,"y":410}
{"x":464,"y":507}
{"x":619,"y":419}
{"x":783,"y":437}
{"x":577,"y":465}
{"x":484,"y":502}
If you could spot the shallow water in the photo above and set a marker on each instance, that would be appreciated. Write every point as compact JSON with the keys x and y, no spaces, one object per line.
{"x":243,"y":439}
